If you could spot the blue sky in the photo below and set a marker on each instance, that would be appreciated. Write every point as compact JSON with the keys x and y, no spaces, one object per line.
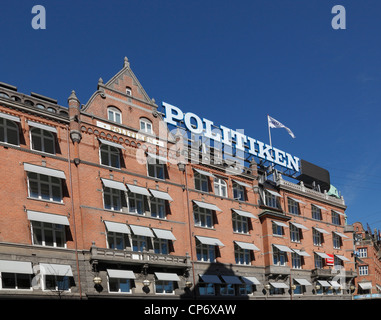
{"x":230,"y":62}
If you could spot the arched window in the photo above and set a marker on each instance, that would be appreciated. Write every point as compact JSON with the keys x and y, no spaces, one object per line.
{"x":220,"y":188}
{"x":9,"y":131}
{"x":4,"y":95}
{"x":145,"y":125}
{"x":42,"y":140}
{"x":114,"y":114}
{"x":128,"y":91}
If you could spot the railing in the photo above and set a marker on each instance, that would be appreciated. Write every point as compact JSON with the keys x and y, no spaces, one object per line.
{"x":136,"y":257}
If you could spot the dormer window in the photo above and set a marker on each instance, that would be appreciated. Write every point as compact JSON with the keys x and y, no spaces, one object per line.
{"x":113,"y":114}
{"x":145,"y":125}
{"x":128,"y":91}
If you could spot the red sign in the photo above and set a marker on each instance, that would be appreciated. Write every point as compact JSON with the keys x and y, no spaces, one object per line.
{"x":329,"y":261}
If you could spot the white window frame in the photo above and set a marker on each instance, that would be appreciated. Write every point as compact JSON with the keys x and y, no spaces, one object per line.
{"x":203,"y":217}
{"x":113,"y":113}
{"x":115,"y":199}
{"x":159,"y":206}
{"x":16,"y":287}
{"x":141,"y":243}
{"x":240,"y":223}
{"x":220,"y":187}
{"x":277,"y":229}
{"x":51,"y":183}
{"x":9,"y":127}
{"x":114,"y":237}
{"x":109,"y":151}
{"x":43,"y":136}
{"x":201,"y":182}
{"x":279,"y":257}
{"x":137,"y":198}
{"x":155,"y":168}
{"x":205,"y":250}
{"x":44,"y":227}
{"x":335,"y":218}
{"x":158,"y":243}
{"x":363,"y":270}
{"x":146,"y":126}
{"x":242,"y":255}
{"x":293,"y":206}
{"x":239,"y":192}
{"x":336,"y":240}
{"x":271,"y":200}
{"x":318,"y":262}
{"x":296,"y":260}
{"x":44,"y":287}
{"x":294,"y":233}
{"x":118,"y":284}
{"x":317,"y":237}
{"x":316,"y":213}
{"x":163,"y":283}
{"x":363,"y":252}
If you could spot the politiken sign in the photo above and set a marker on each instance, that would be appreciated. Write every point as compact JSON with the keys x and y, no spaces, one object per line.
{"x":229,"y":137}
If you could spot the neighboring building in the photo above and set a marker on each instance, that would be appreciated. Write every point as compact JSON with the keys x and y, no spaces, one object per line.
{"x":95,"y":204}
{"x":368,"y":260}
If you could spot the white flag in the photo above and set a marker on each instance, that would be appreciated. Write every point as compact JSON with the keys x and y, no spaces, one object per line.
{"x":276,"y":124}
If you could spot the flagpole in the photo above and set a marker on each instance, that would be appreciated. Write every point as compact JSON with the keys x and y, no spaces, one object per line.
{"x":268,"y":125}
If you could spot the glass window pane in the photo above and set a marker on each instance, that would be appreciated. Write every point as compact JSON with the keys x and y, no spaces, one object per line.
{"x":8,"y":280}
{"x":23,"y":281}
{"x":124,"y":285}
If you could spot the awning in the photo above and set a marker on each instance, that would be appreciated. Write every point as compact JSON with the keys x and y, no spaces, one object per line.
{"x":244,"y":213}
{"x":209,"y":278}
{"x":204,"y":173}
{"x":110,"y":143}
{"x":10,"y":266}
{"x":274,"y":193}
{"x":335,"y":284}
{"x":243,"y":184}
{"x":138,"y":190}
{"x":323,"y":255}
{"x":365,"y":285}
{"x":340,"y":213}
{"x":141,"y":231}
{"x":231,"y":279}
{"x":210,"y":241}
{"x":246,"y":245}
{"x":298,"y":225}
{"x":340,"y":234}
{"x":297,"y":200}
{"x":167,"y":276}
{"x":117,"y":227}
{"x":321,"y":230}
{"x":282,"y":248}
{"x":41,"y":126}
{"x":208,"y":206}
{"x":47,"y":217}
{"x":250,"y":280}
{"x":161,"y":194}
{"x":44,"y":170}
{"x":303,"y":282}
{"x":342,"y":257}
{"x":324,"y":283}
{"x":157,"y":157}
{"x":9,"y":117}
{"x":121,"y":274}
{"x":301,"y":253}
{"x":280,"y":224}
{"x":164,"y":234}
{"x":114,"y":184}
{"x":279,"y":285}
{"x":56,"y":269}
{"x":320,"y":207}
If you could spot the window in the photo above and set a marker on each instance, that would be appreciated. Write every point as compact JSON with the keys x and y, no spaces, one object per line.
{"x":296,"y":260}
{"x":112,"y":199}
{"x":44,"y":187}
{"x":279,"y":257}
{"x":128,"y":91}
{"x":299,"y":289}
{"x":155,"y":168}
{"x":160,"y":246}
{"x":206,"y":289}
{"x":136,"y":203}
{"x":57,"y":283}
{"x":203,"y":217}
{"x":16,"y":281}
{"x":363,"y":270}
{"x":110,"y":156}
{"x":335,"y":218}
{"x":48,"y":234}
{"x":220,"y":188}
{"x":271,"y":200}
{"x":240,"y":223}
{"x":9,"y":132}
{"x":242,"y":256}
{"x":42,"y":140}
{"x":319,"y":263}
{"x":363,"y":252}
{"x":164,"y":287}
{"x":205,"y":252}
{"x":336,"y":241}
{"x":293,"y":206}
{"x":201,"y":182}
{"x":246,"y":289}
{"x":158,"y":208}
{"x":294,"y":233}
{"x":317,"y":237}
{"x":119,"y":285}
{"x":277,"y":228}
{"x":227,"y":289}
{"x":239,"y":192}
{"x":337,"y":263}
{"x":145,"y":126}
{"x":116,"y":240}
{"x":113,"y":114}
{"x":139,"y":243}
{"x":316,"y":212}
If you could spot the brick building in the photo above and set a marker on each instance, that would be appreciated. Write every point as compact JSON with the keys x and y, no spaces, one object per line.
{"x":367,"y":249}
{"x":95,"y":204}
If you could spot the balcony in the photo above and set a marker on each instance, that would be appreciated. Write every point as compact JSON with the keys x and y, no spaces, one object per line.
{"x":132,"y":257}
